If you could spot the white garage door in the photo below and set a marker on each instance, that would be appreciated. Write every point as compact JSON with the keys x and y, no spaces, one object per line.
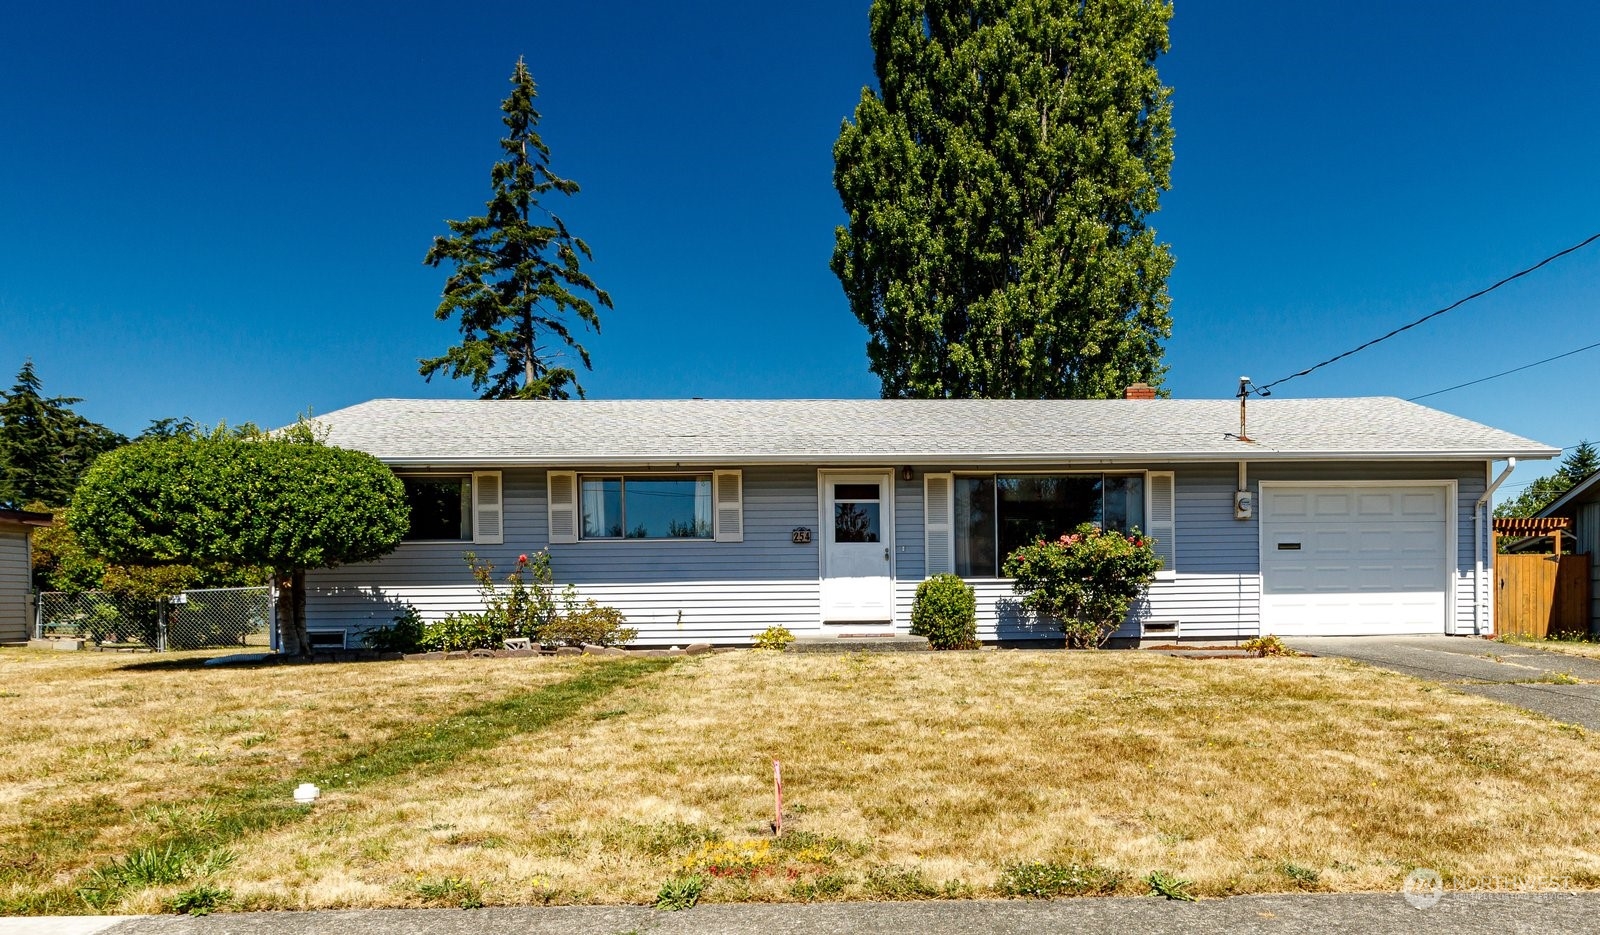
{"x":1353,"y":560}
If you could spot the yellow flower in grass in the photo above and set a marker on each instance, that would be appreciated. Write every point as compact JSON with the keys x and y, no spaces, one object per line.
{"x":730,"y":855}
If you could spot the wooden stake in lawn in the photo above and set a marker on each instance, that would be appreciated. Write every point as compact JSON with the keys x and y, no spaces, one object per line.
{"x":777,"y":797}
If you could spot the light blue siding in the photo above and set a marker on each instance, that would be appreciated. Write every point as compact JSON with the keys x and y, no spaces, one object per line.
{"x":677,"y":591}
{"x":674,"y":591}
{"x":1217,"y":590}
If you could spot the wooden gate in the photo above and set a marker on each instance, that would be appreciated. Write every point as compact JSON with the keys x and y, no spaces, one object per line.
{"x":1542,"y":596}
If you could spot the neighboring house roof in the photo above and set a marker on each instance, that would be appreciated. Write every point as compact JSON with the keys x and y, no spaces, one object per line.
{"x":1584,"y":491}
{"x":25,"y":518}
{"x":421,"y":432}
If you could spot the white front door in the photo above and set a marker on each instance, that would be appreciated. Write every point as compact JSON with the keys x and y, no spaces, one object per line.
{"x":1354,"y":560}
{"x":857,"y":548}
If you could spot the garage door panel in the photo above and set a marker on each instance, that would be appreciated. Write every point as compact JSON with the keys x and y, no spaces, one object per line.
{"x":1286,"y":505}
{"x":1335,"y":505}
{"x":1419,"y":578}
{"x":1423,"y":504}
{"x":1376,"y":504}
{"x":1375,"y":541}
{"x":1352,"y":560}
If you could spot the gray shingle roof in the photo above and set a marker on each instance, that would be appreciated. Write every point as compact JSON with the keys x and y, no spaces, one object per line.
{"x":417,"y":432}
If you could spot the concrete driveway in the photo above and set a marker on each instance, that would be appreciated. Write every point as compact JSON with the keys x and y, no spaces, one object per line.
{"x":1520,"y":675}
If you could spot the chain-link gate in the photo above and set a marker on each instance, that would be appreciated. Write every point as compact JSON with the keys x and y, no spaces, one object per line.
{"x":196,"y":619}
{"x":219,"y":617}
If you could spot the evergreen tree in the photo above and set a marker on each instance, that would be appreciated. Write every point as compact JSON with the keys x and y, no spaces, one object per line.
{"x":517,"y":277}
{"x":44,"y":446}
{"x":997,"y":186}
{"x":1583,"y":461}
{"x":1574,"y":468}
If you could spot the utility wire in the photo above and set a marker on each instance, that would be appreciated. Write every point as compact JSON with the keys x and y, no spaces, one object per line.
{"x":1506,"y":373}
{"x":1431,"y":315}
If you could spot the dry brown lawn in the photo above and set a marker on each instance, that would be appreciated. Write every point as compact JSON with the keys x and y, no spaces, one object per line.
{"x":98,"y":751}
{"x":1569,"y":647}
{"x":919,"y":776}
{"x":907,"y":776}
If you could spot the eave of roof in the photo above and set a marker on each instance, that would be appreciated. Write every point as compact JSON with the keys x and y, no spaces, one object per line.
{"x":26,"y":517}
{"x":1572,"y":496}
{"x":994,"y":458}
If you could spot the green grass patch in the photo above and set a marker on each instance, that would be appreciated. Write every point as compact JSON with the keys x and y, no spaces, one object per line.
{"x":195,"y":844}
{"x":680,"y":893}
{"x":1045,"y":880}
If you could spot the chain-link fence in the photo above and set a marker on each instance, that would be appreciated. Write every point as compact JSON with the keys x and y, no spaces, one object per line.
{"x":197,"y":619}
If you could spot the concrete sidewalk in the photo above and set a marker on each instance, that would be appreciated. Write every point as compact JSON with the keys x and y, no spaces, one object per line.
{"x":1455,"y":914}
{"x":1515,"y":674}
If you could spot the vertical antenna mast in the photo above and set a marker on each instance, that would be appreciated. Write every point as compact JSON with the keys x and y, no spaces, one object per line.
{"x":1244,"y":394}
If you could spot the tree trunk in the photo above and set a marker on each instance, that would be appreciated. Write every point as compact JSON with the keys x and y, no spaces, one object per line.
{"x":283,"y":613}
{"x":300,"y":633}
{"x":290,"y":613}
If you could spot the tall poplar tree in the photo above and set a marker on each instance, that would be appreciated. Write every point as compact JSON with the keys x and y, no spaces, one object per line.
{"x":998,"y":182}
{"x":517,"y":282}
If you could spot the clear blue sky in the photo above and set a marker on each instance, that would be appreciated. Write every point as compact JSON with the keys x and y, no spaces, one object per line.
{"x":217,"y":211}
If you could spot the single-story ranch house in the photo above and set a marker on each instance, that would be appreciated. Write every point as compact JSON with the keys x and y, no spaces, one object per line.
{"x":715,"y":519}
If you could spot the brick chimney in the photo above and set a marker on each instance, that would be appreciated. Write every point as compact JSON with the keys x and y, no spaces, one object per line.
{"x":1139,"y":391}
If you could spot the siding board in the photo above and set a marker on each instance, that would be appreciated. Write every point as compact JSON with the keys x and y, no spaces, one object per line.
{"x":15,"y":583}
{"x":682,"y":591}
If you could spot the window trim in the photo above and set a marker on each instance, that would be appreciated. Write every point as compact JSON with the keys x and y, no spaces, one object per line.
{"x":1142,"y":473}
{"x":459,"y":475}
{"x":577,"y":505}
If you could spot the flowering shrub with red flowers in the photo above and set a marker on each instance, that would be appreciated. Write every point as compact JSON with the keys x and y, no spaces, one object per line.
{"x":1085,"y":580}
{"x":523,"y":603}
{"x":520,"y":604}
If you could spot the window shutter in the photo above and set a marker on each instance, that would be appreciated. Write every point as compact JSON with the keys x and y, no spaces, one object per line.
{"x":488,"y":508}
{"x":561,"y":506}
{"x":727,"y":502}
{"x":939,"y":551}
{"x":1161,"y":511}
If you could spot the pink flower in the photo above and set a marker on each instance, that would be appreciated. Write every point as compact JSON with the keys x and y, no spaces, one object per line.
{"x":522,"y":559}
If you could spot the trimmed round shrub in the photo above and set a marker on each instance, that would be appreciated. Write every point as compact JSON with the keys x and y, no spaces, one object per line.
{"x":946,"y":612}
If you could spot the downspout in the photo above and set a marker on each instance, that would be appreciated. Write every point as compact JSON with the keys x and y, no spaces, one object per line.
{"x":1478,"y":512}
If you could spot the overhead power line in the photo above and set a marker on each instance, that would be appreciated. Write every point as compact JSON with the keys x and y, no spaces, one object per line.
{"x":1263,"y":390}
{"x":1507,"y":373}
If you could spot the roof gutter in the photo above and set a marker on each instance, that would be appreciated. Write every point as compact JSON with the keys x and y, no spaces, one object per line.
{"x":964,"y":459}
{"x":1479,"y":510}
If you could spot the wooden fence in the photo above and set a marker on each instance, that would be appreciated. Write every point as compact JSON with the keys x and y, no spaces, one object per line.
{"x":1541,"y":595}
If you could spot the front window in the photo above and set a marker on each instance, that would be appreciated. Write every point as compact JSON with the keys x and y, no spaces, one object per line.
{"x":646,"y":507}
{"x":441,"y":507}
{"x":994,"y":514}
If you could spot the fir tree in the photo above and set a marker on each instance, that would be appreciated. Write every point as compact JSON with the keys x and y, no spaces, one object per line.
{"x":997,"y":185}
{"x":1583,"y":461}
{"x":44,"y":446}
{"x":517,"y":281}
